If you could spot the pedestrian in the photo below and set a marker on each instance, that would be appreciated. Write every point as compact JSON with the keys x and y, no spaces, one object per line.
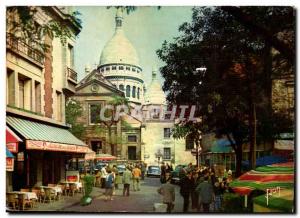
{"x":206,"y":194}
{"x":218,"y":191}
{"x":186,"y":185}
{"x":97,"y":178}
{"x":127,"y":177}
{"x":136,"y":174}
{"x":194,"y":195}
{"x":103,"y":176}
{"x":167,"y":190}
{"x":118,"y":177}
{"x":168,"y":168}
{"x":162,"y":173}
{"x":109,"y":184}
{"x":143,"y":169}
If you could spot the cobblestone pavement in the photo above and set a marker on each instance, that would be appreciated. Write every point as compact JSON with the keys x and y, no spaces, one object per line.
{"x":137,"y":202}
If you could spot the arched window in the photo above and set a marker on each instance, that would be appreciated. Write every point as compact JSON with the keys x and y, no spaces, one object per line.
{"x":115,"y":85}
{"x":133,"y":91}
{"x":127,"y":91}
{"x":121,"y":87}
{"x":138,"y":93}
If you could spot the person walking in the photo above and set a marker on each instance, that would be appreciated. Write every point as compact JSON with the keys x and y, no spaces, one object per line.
{"x":194,"y":194}
{"x":103,"y":176}
{"x":206,"y":194}
{"x":162,"y":173}
{"x":167,"y":190}
{"x":186,"y":186}
{"x":136,"y":174}
{"x":97,"y":178}
{"x":109,"y":185}
{"x":127,"y":177}
{"x":143,"y":169}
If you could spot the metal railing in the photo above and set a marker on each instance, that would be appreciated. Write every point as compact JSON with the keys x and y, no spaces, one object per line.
{"x":71,"y":74}
{"x":21,"y":47}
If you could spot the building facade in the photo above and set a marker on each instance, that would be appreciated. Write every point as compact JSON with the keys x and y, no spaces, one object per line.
{"x":37,"y":86}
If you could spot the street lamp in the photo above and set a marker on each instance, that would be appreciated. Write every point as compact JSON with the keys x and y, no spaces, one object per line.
{"x":158,"y":155}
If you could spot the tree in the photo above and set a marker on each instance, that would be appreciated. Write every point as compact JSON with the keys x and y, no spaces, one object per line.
{"x":232,"y":97}
{"x":21,"y":23}
{"x":73,"y":112}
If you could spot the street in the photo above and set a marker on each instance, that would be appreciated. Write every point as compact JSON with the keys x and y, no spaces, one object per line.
{"x":139,"y":201}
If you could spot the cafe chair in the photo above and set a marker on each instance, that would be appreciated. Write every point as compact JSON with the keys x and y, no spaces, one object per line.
{"x":38,"y":193}
{"x":11,"y":200}
{"x":72,"y":188}
{"x":23,"y":201}
{"x":49,"y":195}
{"x":51,"y":185}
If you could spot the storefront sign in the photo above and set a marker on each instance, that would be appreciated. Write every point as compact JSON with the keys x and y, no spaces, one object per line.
{"x":12,"y":147}
{"x":53,"y":146}
{"x":272,"y":191}
{"x":72,"y":176}
{"x":20,"y":156}
{"x":9,"y":164}
{"x":284,"y":145}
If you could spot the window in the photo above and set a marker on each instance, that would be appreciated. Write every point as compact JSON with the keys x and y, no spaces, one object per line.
{"x":131,"y":138}
{"x":127,"y":91}
{"x":138,"y":93}
{"x":133,"y":91}
{"x":21,"y":93}
{"x":121,"y":68}
{"x":96,"y":146}
{"x":189,"y":142}
{"x":138,"y":71}
{"x":70,"y":56}
{"x":133,"y":69}
{"x":10,"y":87}
{"x":102,"y":69}
{"x":167,"y":153}
{"x":167,"y":133}
{"x":127,"y":68}
{"x":95,"y":113}
{"x":107,"y":68}
{"x":37,"y":92}
{"x":115,"y":85}
{"x":58,"y":106}
{"x":113,"y":67}
{"x":121,"y":87}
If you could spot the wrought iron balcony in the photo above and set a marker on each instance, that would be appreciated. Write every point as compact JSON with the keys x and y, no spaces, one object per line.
{"x":71,"y":74}
{"x":20,"y":47}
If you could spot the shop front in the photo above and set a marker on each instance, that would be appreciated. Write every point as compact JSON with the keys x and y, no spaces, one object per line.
{"x":44,"y":152}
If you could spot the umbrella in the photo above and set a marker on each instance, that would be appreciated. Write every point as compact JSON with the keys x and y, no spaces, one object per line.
{"x":105,"y":157}
{"x":270,"y":176}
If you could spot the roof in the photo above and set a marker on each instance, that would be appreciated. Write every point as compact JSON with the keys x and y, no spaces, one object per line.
{"x":155,"y":94}
{"x":42,"y":132}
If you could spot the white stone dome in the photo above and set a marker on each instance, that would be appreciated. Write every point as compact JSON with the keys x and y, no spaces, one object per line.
{"x":154,"y":94}
{"x":119,"y":50}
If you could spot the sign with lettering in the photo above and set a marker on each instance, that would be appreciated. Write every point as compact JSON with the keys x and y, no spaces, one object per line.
{"x":12,"y":147}
{"x":53,"y":146}
{"x":9,"y":164}
{"x":271,"y":191}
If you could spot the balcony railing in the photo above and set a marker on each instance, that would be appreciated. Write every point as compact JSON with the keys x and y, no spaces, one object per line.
{"x":22,"y":48}
{"x":71,"y":74}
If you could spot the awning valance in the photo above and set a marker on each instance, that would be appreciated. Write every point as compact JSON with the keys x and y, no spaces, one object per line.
{"x":41,"y":136}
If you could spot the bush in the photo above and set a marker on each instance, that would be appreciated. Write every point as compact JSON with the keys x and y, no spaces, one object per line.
{"x":234,"y":203}
{"x":88,"y":188}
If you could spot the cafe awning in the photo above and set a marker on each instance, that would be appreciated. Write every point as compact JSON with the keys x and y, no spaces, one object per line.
{"x":12,"y":140}
{"x":9,"y":161}
{"x":42,"y":136}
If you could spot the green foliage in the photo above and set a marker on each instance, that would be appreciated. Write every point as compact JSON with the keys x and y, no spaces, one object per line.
{"x":234,"y":203}
{"x":21,"y":24}
{"x":129,"y":9}
{"x":73,"y":111}
{"x":88,"y":188}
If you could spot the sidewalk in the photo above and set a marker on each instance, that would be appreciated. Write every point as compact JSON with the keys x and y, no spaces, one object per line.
{"x":63,"y":203}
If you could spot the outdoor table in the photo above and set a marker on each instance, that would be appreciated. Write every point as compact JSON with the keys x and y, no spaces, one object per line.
{"x":78,"y":184}
{"x":29,"y":195}
{"x":56,"y":189}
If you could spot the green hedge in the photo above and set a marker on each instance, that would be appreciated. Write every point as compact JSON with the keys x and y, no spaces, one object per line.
{"x":234,"y":203}
{"x":286,"y":206}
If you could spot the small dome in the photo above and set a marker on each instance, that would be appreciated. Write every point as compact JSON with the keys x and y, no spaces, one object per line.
{"x":155,"y":94}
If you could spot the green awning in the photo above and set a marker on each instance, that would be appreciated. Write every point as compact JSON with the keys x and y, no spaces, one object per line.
{"x":37,"y":131}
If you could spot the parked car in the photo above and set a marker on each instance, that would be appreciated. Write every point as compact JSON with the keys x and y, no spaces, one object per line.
{"x":177,"y":173}
{"x":153,"y":171}
{"x":121,"y":168}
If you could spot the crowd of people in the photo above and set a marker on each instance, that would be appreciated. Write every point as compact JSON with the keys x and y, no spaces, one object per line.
{"x":200,"y":185}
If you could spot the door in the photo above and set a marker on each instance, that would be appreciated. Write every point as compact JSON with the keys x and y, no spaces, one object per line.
{"x":131,"y":152}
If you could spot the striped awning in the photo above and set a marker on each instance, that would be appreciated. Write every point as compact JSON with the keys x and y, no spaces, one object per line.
{"x":270,"y":176}
{"x":43,"y":136}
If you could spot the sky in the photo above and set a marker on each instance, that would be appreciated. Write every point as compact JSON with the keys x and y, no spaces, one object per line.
{"x":146,"y":28}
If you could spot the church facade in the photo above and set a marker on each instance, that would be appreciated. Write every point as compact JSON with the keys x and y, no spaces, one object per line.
{"x":119,"y":73}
